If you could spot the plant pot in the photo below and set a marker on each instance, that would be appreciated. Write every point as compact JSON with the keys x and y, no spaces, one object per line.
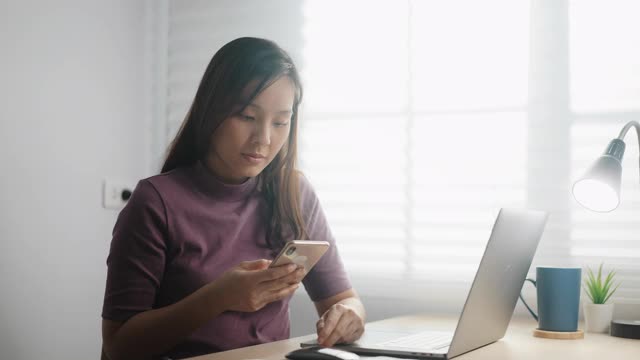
{"x":597,"y":317}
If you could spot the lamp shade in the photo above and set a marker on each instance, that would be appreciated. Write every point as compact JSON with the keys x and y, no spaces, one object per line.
{"x":599,"y":188}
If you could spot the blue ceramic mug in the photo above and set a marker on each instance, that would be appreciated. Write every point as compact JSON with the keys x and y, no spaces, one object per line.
{"x":558,"y":291}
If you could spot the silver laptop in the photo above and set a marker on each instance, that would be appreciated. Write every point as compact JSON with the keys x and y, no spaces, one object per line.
{"x":489,"y":305}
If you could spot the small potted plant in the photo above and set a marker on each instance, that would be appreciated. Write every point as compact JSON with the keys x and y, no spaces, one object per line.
{"x":598,"y":314}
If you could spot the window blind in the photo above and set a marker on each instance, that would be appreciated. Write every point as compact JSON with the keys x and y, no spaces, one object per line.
{"x":422,"y":118}
{"x":605,"y":89}
{"x":414,"y":134}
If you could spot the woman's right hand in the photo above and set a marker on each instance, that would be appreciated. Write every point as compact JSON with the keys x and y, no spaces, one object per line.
{"x":251,"y":285}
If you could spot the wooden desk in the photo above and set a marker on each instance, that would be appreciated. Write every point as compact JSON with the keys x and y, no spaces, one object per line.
{"x":518,"y":343}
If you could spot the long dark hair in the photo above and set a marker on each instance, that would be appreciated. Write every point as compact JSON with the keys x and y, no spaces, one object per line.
{"x":237,"y":73}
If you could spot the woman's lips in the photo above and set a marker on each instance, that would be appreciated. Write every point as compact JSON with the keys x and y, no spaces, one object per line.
{"x":254,"y":158}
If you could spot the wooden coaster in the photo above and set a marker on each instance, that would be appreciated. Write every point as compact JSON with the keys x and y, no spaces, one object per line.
{"x":564,"y":335}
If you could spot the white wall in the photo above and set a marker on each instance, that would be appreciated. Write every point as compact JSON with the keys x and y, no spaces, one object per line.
{"x":74,"y":95}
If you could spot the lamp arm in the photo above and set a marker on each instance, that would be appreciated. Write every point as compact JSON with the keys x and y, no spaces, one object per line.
{"x":626,"y":128}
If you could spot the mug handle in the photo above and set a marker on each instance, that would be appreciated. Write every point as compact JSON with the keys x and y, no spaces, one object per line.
{"x":535,"y":316}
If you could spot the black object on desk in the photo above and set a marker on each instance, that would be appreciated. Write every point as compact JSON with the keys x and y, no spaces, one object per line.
{"x":626,"y":329}
{"x":321,"y":353}
{"x":314,"y":353}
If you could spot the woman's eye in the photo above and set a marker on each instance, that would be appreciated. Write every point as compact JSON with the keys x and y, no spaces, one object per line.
{"x":281,"y":124}
{"x":247,"y":117}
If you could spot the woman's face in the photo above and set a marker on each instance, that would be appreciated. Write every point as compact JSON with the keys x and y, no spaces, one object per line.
{"x":244,"y":144}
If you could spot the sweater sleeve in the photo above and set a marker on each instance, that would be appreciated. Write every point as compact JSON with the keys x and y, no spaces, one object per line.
{"x":328,"y":277}
{"x":136,"y":258}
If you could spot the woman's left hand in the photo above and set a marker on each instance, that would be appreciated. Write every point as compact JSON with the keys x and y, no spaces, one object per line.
{"x":340,"y":324}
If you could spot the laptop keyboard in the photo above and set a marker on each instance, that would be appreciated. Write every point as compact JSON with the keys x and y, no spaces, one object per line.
{"x":422,"y":340}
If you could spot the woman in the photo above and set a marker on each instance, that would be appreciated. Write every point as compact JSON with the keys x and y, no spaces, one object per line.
{"x":188,"y":267}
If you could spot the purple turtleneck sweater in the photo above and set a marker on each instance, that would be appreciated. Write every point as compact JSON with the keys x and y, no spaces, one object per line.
{"x":181,"y":230}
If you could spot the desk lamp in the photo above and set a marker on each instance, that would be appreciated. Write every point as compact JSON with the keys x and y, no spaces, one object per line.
{"x":599,"y":190}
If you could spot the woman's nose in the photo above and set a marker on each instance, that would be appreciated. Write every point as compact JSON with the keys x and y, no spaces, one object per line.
{"x":262,"y":134}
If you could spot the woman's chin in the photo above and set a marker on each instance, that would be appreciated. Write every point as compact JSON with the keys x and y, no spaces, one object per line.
{"x":250,"y":173}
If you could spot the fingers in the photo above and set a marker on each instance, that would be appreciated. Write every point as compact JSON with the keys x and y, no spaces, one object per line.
{"x":330,"y":321}
{"x":319,"y":327}
{"x":291,"y":278}
{"x":259,"y":297}
{"x":277,"y":272}
{"x":358,"y":334}
{"x":296,"y":276}
{"x":282,"y":293}
{"x":351,"y":332}
{"x":320,"y":330}
{"x":260,"y":264}
{"x":344,"y":332}
{"x":339,"y":324}
{"x":335,"y":337}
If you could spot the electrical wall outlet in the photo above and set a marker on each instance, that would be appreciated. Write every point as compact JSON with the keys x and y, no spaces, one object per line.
{"x":115,"y":193}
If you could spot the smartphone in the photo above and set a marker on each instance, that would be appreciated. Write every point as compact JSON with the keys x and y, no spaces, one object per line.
{"x":301,"y":252}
